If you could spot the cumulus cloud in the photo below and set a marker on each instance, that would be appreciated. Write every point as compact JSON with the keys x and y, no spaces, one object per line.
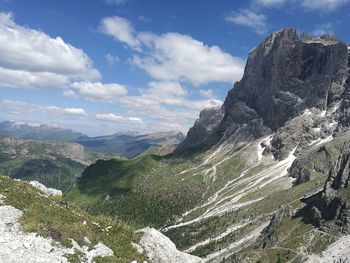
{"x":117,"y":118}
{"x":323,"y":5}
{"x":120,"y":29}
{"x":174,"y":56}
{"x":178,"y":57}
{"x":30,"y":58}
{"x":111,"y":59}
{"x":24,"y":108}
{"x":96,"y":91}
{"x":248,"y":18}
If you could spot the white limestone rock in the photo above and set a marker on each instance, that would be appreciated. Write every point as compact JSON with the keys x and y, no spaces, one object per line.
{"x":160,"y":249}
{"x":45,"y":190}
{"x":20,"y":247}
{"x":339,"y":251}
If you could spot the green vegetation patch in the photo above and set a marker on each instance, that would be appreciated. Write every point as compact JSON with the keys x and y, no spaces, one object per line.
{"x":62,"y":221}
{"x":145,"y":191}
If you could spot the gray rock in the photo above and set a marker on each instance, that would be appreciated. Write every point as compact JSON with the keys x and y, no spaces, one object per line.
{"x":203,"y":130}
{"x":45,"y":190}
{"x":285,"y":75}
{"x":270,"y":233}
{"x":160,"y":249}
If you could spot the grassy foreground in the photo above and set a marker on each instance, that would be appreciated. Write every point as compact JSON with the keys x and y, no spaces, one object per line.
{"x":62,"y":221}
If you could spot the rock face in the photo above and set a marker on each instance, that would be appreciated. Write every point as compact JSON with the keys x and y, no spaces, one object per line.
{"x":330,"y":207}
{"x":204,"y":128}
{"x":284,"y":76}
{"x":270,"y":233}
{"x":160,"y":249}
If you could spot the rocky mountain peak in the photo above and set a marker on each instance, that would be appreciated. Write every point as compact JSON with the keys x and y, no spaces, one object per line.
{"x":285,"y":75}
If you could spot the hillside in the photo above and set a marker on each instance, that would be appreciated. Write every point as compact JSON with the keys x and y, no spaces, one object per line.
{"x":130,"y":145}
{"x":36,"y":225}
{"x":56,"y":164}
{"x":262,"y":179}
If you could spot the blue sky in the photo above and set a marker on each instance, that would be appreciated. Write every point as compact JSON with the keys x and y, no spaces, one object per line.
{"x":104,"y":66}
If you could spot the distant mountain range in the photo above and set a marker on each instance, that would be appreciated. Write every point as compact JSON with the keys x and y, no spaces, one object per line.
{"x":39,"y":132}
{"x":127,"y":144}
{"x":130,"y":144}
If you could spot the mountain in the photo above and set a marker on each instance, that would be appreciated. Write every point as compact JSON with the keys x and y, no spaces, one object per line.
{"x":40,"y":132}
{"x":130,"y":144}
{"x":127,"y":144}
{"x":284,"y":76}
{"x":264,"y":178}
{"x":56,"y":164}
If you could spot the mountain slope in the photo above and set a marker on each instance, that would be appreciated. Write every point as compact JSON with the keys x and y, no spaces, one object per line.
{"x":37,"y":226}
{"x":56,"y":164}
{"x":24,"y":211}
{"x":262,"y":179}
{"x":130,"y":145}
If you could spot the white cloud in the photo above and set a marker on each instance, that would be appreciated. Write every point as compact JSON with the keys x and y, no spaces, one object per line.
{"x":97,"y":91}
{"x":323,"y":5}
{"x":178,"y":57}
{"x":317,"y":5}
{"x":70,"y":93}
{"x":120,"y":29}
{"x":71,"y":111}
{"x":24,"y":108}
{"x":270,"y":3}
{"x":174,"y":56}
{"x":117,"y":118}
{"x":111,"y":59}
{"x":248,"y":18}
{"x":207,"y":93}
{"x":116,"y":2}
{"x":164,"y":92}
{"x":77,"y":111}
{"x":165,"y":106}
{"x":323,"y":29}
{"x":30,"y":58}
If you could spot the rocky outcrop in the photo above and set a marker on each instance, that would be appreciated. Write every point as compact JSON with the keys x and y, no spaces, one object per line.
{"x":331,"y":207}
{"x":203,"y":131}
{"x":20,"y":247}
{"x":270,"y":233}
{"x":323,"y":160}
{"x":45,"y":190}
{"x":161,"y":249}
{"x":286,"y":76}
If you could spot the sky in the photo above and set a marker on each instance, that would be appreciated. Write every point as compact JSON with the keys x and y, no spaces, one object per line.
{"x":107,"y":66}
